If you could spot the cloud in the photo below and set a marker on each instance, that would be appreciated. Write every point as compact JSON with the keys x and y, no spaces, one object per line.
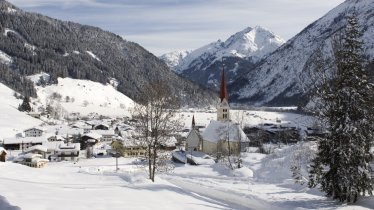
{"x":166,"y":25}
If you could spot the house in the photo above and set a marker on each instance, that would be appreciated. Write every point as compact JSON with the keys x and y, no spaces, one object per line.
{"x":38,"y":149}
{"x":69,"y":151}
{"x":222,"y":136}
{"x":89,"y":139}
{"x":34,"y":114}
{"x":33,"y":132}
{"x":22,"y":143}
{"x":53,"y":138}
{"x":106,"y":135}
{"x":194,"y":141}
{"x":3,"y":154}
{"x":133,"y":149}
{"x":32,"y":160}
{"x":169,"y":144}
{"x":101,"y":126}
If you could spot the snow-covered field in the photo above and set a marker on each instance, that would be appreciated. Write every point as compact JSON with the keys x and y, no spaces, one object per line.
{"x":93,"y":184}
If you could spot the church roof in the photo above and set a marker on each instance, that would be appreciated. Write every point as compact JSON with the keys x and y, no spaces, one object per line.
{"x":219,"y":130}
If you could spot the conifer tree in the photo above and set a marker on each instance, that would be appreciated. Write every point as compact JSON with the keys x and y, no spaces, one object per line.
{"x":25,"y":106}
{"x":341,"y":168}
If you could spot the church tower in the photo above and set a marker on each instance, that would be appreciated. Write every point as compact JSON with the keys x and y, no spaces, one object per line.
{"x":223,"y":108}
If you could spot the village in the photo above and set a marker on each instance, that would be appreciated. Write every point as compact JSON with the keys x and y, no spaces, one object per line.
{"x":208,"y":135}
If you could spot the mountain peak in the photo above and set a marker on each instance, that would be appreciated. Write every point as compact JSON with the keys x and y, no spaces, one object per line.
{"x":257,"y":42}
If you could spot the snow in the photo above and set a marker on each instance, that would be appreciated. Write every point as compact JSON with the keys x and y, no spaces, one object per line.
{"x":94,"y":184}
{"x":264,"y":181}
{"x":8,"y":30}
{"x":93,"y":55}
{"x":11,"y":10}
{"x":37,"y":147}
{"x":286,"y":70}
{"x":254,"y":42}
{"x":36,"y":77}
{"x":5,"y":58}
{"x":12,"y":121}
{"x":87,"y":97}
{"x":31,"y":48}
{"x":174,"y":58}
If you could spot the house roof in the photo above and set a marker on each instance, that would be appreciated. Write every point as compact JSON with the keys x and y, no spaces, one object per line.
{"x":104,"y":132}
{"x":69,"y":148}
{"x":32,"y":129}
{"x":170,"y":142}
{"x":93,"y":135}
{"x":3,"y":150}
{"x":218,"y":130}
{"x":37,"y":147}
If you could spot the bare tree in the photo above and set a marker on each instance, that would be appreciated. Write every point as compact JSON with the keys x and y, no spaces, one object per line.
{"x":118,"y":149}
{"x":156,"y":121}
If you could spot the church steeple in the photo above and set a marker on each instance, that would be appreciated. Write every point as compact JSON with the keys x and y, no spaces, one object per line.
{"x":223,"y":89}
{"x":223,"y":108}
{"x":193,"y":122}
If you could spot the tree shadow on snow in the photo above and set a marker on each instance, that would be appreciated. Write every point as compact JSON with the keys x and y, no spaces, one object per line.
{"x":4,"y":204}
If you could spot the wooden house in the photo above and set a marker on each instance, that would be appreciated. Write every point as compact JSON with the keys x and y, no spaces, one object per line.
{"x":3,"y":154}
{"x":33,"y":132}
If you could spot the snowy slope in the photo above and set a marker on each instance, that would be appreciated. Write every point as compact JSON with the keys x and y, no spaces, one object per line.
{"x":84,"y":97}
{"x":280,"y":79}
{"x":12,"y":121}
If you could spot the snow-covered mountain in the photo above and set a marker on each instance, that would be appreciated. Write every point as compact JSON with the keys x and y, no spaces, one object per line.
{"x":282,"y":77}
{"x":239,"y":52}
{"x":174,"y":58}
{"x":31,"y":43}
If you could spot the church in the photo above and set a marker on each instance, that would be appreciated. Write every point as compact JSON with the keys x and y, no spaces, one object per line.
{"x":221,"y":136}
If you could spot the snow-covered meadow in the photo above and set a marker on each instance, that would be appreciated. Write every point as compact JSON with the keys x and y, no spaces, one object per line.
{"x":263,"y":183}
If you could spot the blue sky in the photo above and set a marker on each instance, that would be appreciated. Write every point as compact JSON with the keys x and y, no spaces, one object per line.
{"x":166,"y":25}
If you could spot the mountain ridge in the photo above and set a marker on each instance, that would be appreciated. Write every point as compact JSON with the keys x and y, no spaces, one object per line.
{"x":240,"y":51}
{"x":37,"y":43}
{"x":282,"y":78}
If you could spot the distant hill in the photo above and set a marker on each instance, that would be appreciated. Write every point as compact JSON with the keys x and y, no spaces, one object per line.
{"x":31,"y":43}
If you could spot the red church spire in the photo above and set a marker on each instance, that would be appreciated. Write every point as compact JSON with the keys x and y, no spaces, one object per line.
{"x":223,"y":90}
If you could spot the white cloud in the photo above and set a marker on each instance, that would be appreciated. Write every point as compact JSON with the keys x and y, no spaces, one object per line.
{"x":166,"y":25}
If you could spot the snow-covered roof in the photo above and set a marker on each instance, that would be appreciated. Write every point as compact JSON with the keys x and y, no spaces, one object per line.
{"x":220,"y":130}
{"x":31,"y":155}
{"x":171,"y":142}
{"x":104,"y":132}
{"x":2,"y":150}
{"x":33,"y":129}
{"x":93,"y":135}
{"x":52,"y":145}
{"x":69,"y":147}
{"x":37,"y":147}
